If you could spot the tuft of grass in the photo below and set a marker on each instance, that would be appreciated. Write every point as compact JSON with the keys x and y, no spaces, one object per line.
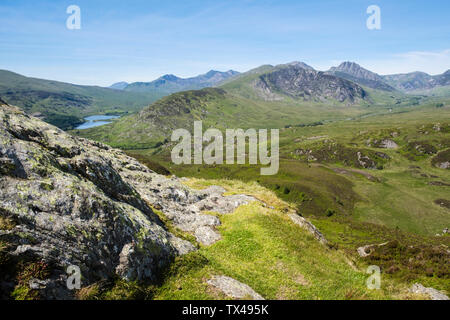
{"x":6,"y":223}
{"x":28,"y":271}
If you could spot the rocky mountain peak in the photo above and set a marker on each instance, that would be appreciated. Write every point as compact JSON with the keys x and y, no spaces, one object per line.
{"x":300,"y":65}
{"x":169,"y":77}
{"x":356,"y":70}
{"x":355,"y":73}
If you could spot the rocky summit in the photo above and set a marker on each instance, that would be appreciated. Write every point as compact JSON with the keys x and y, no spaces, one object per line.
{"x":69,"y":201}
{"x":307,"y":84}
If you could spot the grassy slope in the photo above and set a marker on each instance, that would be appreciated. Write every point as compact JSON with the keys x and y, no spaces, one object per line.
{"x":264,"y":249}
{"x":65,"y":104}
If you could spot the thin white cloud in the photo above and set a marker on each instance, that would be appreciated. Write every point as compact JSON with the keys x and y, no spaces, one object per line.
{"x":432,"y":62}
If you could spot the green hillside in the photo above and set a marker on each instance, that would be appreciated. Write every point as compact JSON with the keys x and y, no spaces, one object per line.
{"x":64,"y":104}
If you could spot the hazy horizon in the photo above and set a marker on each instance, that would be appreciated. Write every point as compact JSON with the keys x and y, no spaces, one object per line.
{"x":224,"y":70}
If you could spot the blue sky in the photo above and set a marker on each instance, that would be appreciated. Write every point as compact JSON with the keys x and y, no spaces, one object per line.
{"x":142,"y":40}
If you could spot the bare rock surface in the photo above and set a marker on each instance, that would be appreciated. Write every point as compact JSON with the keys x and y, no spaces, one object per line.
{"x":305,"y":224}
{"x":79,"y":202}
{"x":431,"y":292}
{"x":366,"y":251}
{"x":233,"y":288}
{"x":184,"y":206}
{"x":444,"y":165}
{"x":388,"y":144}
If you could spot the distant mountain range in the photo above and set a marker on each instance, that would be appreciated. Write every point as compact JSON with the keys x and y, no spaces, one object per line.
{"x":65,"y":105}
{"x":408,"y":82}
{"x":265,"y":97}
{"x":170,"y":83}
{"x":415,"y":81}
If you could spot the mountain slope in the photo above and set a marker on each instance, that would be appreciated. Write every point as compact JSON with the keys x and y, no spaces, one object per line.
{"x":119,"y":85}
{"x":65,"y":104}
{"x":266,"y":97}
{"x":354,"y":72}
{"x":170,"y":83}
{"x":297,"y":81}
{"x":416,"y":81}
{"x":307,"y":84}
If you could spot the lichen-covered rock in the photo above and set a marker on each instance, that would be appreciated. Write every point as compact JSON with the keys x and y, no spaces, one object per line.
{"x":305,"y":224}
{"x":79,"y":202}
{"x":367,"y":250}
{"x":431,"y":292}
{"x":233,"y":288}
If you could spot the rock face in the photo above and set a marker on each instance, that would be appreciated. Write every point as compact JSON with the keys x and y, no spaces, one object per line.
{"x":233,"y":288}
{"x":309,"y":85}
{"x":78,"y":202}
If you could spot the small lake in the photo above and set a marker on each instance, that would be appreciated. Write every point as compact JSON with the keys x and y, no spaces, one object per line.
{"x":96,"y":121}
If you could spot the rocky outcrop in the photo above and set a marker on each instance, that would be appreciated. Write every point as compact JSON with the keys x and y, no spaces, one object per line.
{"x":233,"y":288}
{"x":442,"y":160}
{"x":184,"y":207}
{"x":431,"y":292}
{"x":383,"y":143}
{"x":77,"y":202}
{"x":444,"y":165}
{"x":305,"y":224}
{"x":367,"y":250}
